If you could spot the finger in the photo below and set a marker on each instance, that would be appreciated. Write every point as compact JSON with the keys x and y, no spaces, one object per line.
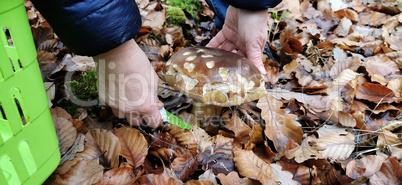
{"x":134,"y":118}
{"x":254,"y":55}
{"x":217,"y":40}
{"x":152,"y":117}
{"x":228,"y":46}
{"x":239,"y":52}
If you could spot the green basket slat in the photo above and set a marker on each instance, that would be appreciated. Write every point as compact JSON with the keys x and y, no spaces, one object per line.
{"x":29,"y":150}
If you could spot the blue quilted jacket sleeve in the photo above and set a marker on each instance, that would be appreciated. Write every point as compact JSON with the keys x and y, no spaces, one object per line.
{"x":253,"y":4}
{"x":91,"y":27}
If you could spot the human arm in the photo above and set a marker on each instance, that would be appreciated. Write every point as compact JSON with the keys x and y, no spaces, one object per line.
{"x":105,"y":29}
{"x":245,"y":29}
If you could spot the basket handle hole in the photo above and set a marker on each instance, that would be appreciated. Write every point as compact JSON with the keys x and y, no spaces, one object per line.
{"x":3,"y":114}
{"x":24,"y":122}
{"x":8,"y":35}
{"x":19,"y":62}
{"x":12,"y":64}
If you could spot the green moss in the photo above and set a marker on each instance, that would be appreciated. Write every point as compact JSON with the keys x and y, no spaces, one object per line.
{"x":83,"y":87}
{"x":176,"y":16}
{"x":192,"y":6}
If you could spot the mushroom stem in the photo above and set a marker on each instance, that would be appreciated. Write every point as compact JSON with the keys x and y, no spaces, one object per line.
{"x":204,"y":111}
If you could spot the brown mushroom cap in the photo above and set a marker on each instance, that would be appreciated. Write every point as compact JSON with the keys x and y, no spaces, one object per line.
{"x":214,"y":76}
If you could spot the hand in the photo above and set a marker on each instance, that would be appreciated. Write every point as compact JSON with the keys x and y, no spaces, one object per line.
{"x":128,"y":84}
{"x":246,"y":31}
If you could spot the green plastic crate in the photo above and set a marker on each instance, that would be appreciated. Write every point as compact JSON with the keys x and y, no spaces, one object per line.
{"x":29,"y":150}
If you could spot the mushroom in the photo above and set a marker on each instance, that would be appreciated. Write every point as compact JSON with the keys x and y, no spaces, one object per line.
{"x":213,"y":76}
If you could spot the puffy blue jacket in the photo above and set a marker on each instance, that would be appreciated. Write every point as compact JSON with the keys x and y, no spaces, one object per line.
{"x":92,"y":27}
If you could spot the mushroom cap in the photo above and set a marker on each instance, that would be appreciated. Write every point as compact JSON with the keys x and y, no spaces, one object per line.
{"x":214,"y":76}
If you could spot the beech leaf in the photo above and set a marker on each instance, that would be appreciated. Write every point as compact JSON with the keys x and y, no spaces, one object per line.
{"x":389,"y":173}
{"x":184,"y":165}
{"x":123,"y":176}
{"x":134,"y":147}
{"x":233,"y":179}
{"x":336,"y":146}
{"x":374,"y":92}
{"x":158,"y":179}
{"x":365,"y":166}
{"x":108,"y":144}
{"x":250,"y":165}
{"x":83,"y":172}
{"x":66,"y":133}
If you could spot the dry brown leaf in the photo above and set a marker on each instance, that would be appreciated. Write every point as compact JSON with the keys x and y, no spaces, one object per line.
{"x":158,"y":179}
{"x":395,"y":43}
{"x":305,"y":151}
{"x":387,"y":139}
{"x":288,"y":69}
{"x":336,"y":146}
{"x":378,"y":19}
{"x":203,"y":140}
{"x":184,"y":165}
{"x":366,"y":166}
{"x":166,"y":154}
{"x":379,"y":79}
{"x":348,"y":13}
{"x":142,"y":3}
{"x":60,"y":112}
{"x":256,"y":136}
{"x":155,"y":19}
{"x":220,"y":158}
{"x":344,"y":27}
{"x":66,"y":133}
{"x":233,"y":179}
{"x":108,"y":144}
{"x":307,"y":10}
{"x":349,"y":63}
{"x":272,"y":69}
{"x":396,"y":87}
{"x":304,"y":78}
{"x":184,"y":138}
{"x":199,"y":182}
{"x":121,"y":176}
{"x":249,"y":165}
{"x":279,"y":125}
{"x":374,"y":92}
{"x":151,"y":48}
{"x":343,"y":78}
{"x":46,"y":57}
{"x":78,"y":146}
{"x":235,"y":124}
{"x":83,"y":172}
{"x":383,"y":66}
{"x":346,"y":119}
{"x":389,"y":173}
{"x":134,"y":146}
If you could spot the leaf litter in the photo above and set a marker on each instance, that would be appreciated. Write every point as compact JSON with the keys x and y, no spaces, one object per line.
{"x":332,"y":113}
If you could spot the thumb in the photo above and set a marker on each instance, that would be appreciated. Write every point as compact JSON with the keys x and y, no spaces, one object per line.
{"x":254,"y":55}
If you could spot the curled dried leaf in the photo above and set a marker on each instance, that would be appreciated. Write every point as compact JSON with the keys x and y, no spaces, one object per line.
{"x":235,"y":124}
{"x":366,"y":166}
{"x":233,"y":179}
{"x":250,"y":165}
{"x":374,"y":92}
{"x":123,"y":176}
{"x":134,"y":146}
{"x":108,"y":144}
{"x":66,"y":133}
{"x":83,"y":172}
{"x":156,"y":179}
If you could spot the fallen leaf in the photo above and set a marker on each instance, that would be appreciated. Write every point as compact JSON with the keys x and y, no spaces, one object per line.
{"x":395,"y":43}
{"x":289,"y":68}
{"x":60,"y":112}
{"x":235,"y":124}
{"x":233,"y":179}
{"x":46,"y":57}
{"x":123,"y":176}
{"x":396,"y":87}
{"x":383,"y":66}
{"x":347,"y":13}
{"x":336,"y":146}
{"x":184,"y":165}
{"x":166,"y":154}
{"x":158,"y":179}
{"x":378,"y":19}
{"x":204,"y":141}
{"x":346,"y":119}
{"x":374,"y":92}
{"x":250,"y":165}
{"x":366,"y":166}
{"x":387,"y":139}
{"x":256,"y":136}
{"x":279,"y":125}
{"x":389,"y":173}
{"x":199,"y":182}
{"x":78,"y":146}
{"x":66,"y":133}
{"x":331,"y":129}
{"x":134,"y":147}
{"x":83,"y":172}
{"x":338,"y":54}
{"x":155,"y":19}
{"x":283,"y":177}
{"x":220,"y":158}
{"x":344,"y":27}
{"x":343,"y":78}
{"x":287,"y":95}
{"x":305,"y":151}
{"x":108,"y":144}
{"x":209,"y":176}
{"x":348,"y":63}
{"x":184,"y":138}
